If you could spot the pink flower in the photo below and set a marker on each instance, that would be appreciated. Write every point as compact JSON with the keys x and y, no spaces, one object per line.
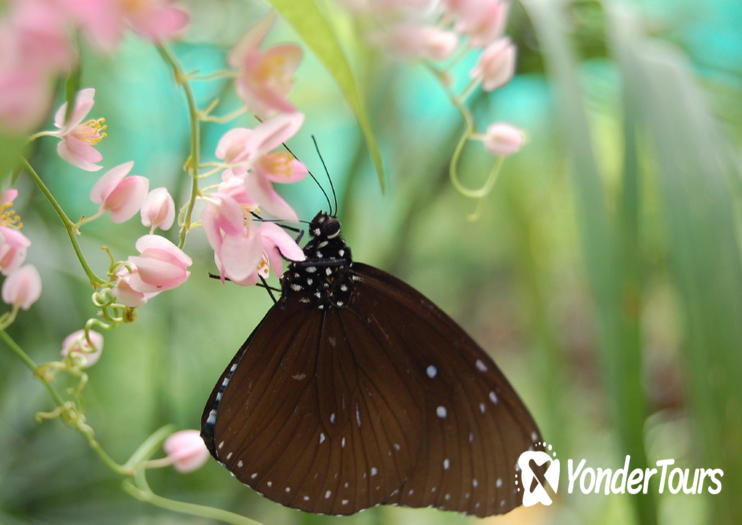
{"x":186,"y":450}
{"x":104,"y":21}
{"x":482,"y":20}
{"x":161,"y":265}
{"x":78,"y":137}
{"x":22,"y":288}
{"x":158,"y":210}
{"x":496,"y":65}
{"x":77,"y":344}
{"x":13,"y":244}
{"x":242,"y":248}
{"x":264,"y":77}
{"x":121,"y":195}
{"x":127,"y":287}
{"x":275,"y":245}
{"x":33,"y":48}
{"x":416,"y":41}
{"x":251,"y":148}
{"x":502,"y":139}
{"x":38,"y":31}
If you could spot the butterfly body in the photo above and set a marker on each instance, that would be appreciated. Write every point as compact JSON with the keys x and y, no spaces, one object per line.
{"x":356,"y":390}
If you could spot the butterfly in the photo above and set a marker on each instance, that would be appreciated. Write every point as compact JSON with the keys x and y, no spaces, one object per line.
{"x":356,"y":390}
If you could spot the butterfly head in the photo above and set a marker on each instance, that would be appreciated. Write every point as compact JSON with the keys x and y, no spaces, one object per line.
{"x":325,"y":226}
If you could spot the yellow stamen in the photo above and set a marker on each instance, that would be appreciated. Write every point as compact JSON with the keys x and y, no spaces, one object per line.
{"x":9,"y":217}
{"x":91,"y":131}
{"x":278,"y":163}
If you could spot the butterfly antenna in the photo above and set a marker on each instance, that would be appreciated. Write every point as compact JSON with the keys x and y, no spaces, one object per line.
{"x":327,"y":198}
{"x":332,"y":186}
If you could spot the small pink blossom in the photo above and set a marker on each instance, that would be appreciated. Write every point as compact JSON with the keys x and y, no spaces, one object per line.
{"x":251,"y":149}
{"x":275,"y":245}
{"x":264,"y":77}
{"x":77,"y":344}
{"x":186,"y":450}
{"x":483,"y":20}
{"x":161,"y":265}
{"x":121,"y":195}
{"x":22,"y":287}
{"x":418,"y":41}
{"x":496,"y":65}
{"x":78,"y":137}
{"x":34,"y":46}
{"x":128,"y":285}
{"x":243,"y":248}
{"x":13,"y":244}
{"x":104,"y":21}
{"x":158,"y":210}
{"x":503,"y":139}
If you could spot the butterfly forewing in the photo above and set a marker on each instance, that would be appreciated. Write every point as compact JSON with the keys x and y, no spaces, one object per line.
{"x":317,"y":419}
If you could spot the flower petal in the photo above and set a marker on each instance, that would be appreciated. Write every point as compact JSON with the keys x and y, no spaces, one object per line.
{"x":108,"y":182}
{"x":79,"y":153}
{"x":262,"y":191}
{"x":240,"y":255}
{"x":84,"y":102}
{"x":126,"y":199}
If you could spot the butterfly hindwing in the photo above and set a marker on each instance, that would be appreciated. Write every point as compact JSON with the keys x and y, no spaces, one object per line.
{"x":476,"y":426}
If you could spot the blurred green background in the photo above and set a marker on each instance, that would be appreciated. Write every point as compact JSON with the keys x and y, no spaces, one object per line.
{"x":604,"y":275}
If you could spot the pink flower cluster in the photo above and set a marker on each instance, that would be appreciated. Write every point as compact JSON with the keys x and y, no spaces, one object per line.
{"x":22,"y":286}
{"x":245,"y":249}
{"x":465,"y":25}
{"x":37,"y":44}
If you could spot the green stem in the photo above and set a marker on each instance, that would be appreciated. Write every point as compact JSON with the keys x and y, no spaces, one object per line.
{"x":203,"y":511}
{"x":193,"y":160}
{"x":95,"y":281}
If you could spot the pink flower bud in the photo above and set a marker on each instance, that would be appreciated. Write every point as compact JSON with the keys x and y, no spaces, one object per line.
{"x":121,"y":195}
{"x":414,"y":41}
{"x":158,"y":210}
{"x":482,"y":20}
{"x":502,"y":139}
{"x":22,"y":288}
{"x":186,"y":450}
{"x":496,"y":65}
{"x":13,"y":245}
{"x":161,"y":265}
{"x":77,"y":345}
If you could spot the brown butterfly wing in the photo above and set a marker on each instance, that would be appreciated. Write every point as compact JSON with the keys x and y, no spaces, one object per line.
{"x":475,"y":424}
{"x":313,"y":414}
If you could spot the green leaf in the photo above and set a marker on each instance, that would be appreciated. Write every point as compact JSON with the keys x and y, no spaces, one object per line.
{"x":11,"y":148}
{"x":318,"y":34}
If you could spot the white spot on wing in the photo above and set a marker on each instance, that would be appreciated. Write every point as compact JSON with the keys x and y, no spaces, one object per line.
{"x":441,"y":411}
{"x":332,"y":417}
{"x":474,"y":483}
{"x":432,"y":371}
{"x":481,"y":366}
{"x":328,"y":494}
{"x":358,"y":416}
{"x":498,"y":483}
{"x":493,"y":397}
{"x":374,"y":471}
{"x":321,"y":437}
{"x":240,"y":464}
{"x":446,"y":464}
